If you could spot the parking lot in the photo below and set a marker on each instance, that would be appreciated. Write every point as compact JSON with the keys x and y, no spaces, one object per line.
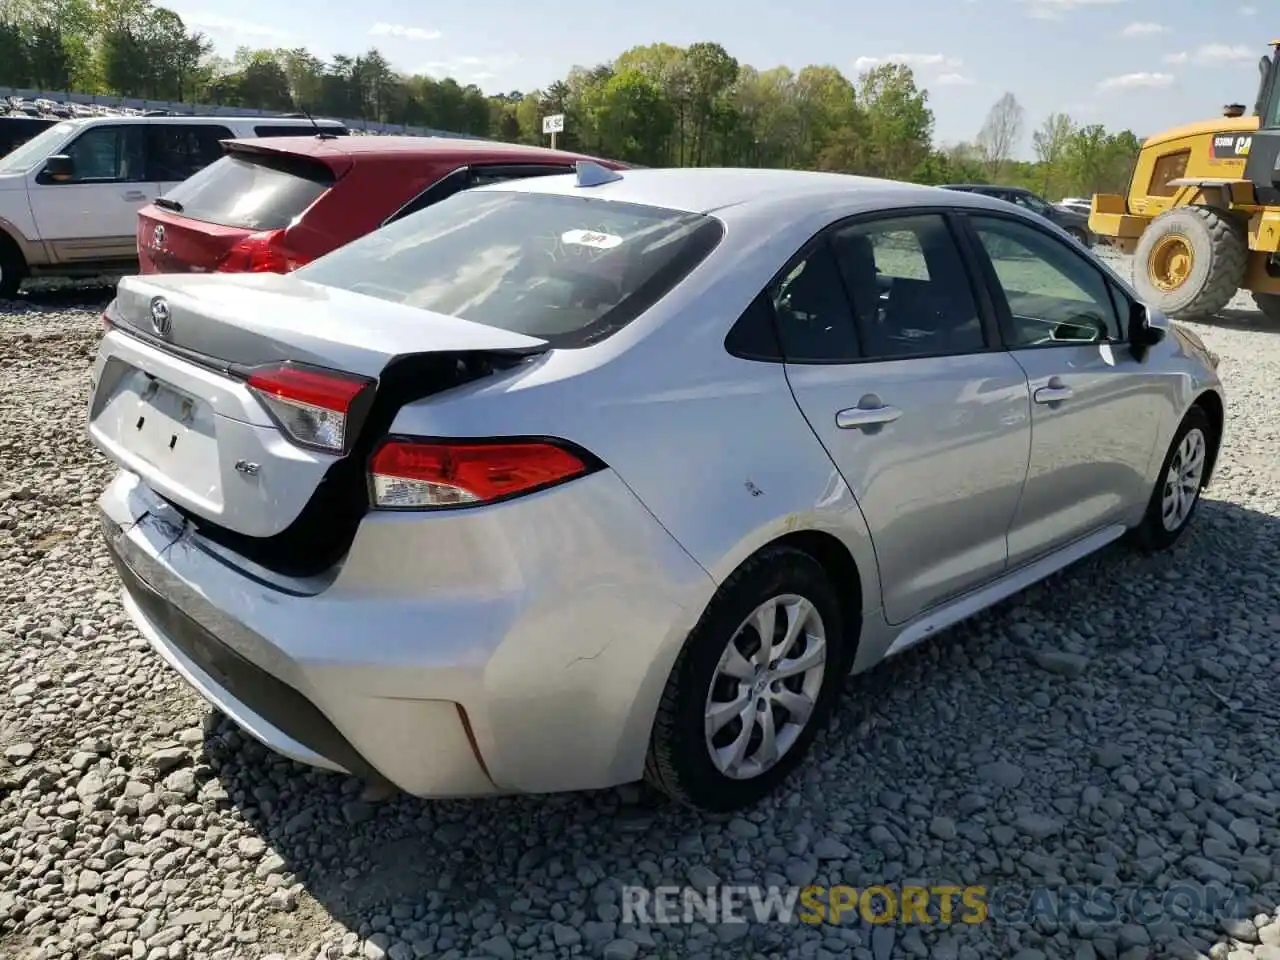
{"x":1118,"y":724}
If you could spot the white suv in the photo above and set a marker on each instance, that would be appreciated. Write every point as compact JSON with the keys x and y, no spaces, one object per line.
{"x":69,"y":197}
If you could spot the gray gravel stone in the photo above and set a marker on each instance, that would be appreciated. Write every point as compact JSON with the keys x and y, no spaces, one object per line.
{"x":1114,"y":725}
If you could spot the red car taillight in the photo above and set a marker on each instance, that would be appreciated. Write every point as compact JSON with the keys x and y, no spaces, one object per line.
{"x":261,"y":253}
{"x":313,"y":407}
{"x":422,"y":475}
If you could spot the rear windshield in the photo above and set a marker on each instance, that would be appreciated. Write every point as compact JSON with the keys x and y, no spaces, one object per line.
{"x":570,"y":270}
{"x":252,"y":192}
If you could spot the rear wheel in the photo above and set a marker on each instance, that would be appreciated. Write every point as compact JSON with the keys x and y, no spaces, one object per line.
{"x":12,"y":268}
{"x":1190,"y":262}
{"x":756,"y":680}
{"x":1177,"y":494}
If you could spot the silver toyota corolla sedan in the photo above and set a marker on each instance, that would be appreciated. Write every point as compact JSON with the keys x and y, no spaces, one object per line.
{"x":565,"y":482}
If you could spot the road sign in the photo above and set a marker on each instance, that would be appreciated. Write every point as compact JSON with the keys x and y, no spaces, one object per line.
{"x":553,"y":123}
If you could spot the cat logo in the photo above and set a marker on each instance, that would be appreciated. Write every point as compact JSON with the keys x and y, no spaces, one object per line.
{"x":1231,"y":146}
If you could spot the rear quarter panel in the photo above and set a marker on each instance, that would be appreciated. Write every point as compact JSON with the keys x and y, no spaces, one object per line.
{"x":714,"y":446}
{"x":373,"y":189}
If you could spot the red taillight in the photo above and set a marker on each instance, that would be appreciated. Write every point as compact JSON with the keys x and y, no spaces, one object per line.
{"x":261,"y":253}
{"x":419,"y":474}
{"x":313,"y":407}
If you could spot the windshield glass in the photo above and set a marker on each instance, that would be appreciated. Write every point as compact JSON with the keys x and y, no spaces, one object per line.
{"x":35,"y":150}
{"x":571,"y":270}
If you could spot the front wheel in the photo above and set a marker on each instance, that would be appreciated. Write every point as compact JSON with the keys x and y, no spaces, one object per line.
{"x":757,"y":678}
{"x":12,"y":269}
{"x":1177,"y":494}
{"x":1190,"y":261}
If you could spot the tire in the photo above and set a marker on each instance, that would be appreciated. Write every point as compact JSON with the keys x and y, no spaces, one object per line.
{"x":1268,"y":305}
{"x":1219,"y":255}
{"x":12,"y":269}
{"x":1153,"y":533}
{"x":680,"y":761}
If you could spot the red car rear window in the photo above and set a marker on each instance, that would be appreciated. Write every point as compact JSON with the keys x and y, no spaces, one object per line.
{"x":252,"y":191}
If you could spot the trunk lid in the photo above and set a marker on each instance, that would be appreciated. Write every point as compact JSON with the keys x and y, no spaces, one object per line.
{"x":251,"y":319}
{"x":170,"y":243}
{"x":171,"y":402}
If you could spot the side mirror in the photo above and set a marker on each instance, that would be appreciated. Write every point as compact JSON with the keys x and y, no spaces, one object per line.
{"x":1143,"y":334}
{"x":59,"y":167}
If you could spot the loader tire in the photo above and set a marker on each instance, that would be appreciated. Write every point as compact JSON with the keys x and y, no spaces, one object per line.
{"x":1190,"y":262}
{"x":1268,"y":305}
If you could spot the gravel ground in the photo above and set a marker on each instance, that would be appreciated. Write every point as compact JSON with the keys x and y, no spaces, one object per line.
{"x":1117,"y":725}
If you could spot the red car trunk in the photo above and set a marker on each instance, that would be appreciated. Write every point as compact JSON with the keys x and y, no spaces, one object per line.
{"x":270,"y":206}
{"x":169,"y":243}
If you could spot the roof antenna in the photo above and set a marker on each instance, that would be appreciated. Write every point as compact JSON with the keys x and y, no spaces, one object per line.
{"x":320,"y":134}
{"x":592,"y":174}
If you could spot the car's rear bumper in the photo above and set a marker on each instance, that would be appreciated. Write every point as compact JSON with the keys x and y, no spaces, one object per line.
{"x":543,"y":673}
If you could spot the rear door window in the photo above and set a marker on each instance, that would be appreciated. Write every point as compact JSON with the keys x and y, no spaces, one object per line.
{"x":482,"y":175}
{"x":252,"y":192}
{"x":175,"y":151}
{"x":295,"y":130}
{"x":467,"y":178}
{"x":571,"y":270}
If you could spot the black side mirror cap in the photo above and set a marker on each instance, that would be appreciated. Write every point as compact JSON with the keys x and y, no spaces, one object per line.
{"x":59,"y":167}
{"x":1143,"y":334}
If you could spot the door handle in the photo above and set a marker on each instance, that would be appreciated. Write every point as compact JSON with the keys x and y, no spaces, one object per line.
{"x":1054,"y":394}
{"x":855,"y":418}
{"x":135,"y":195}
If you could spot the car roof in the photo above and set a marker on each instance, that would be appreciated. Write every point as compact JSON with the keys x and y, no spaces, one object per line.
{"x":302,"y":125}
{"x":745,"y":191}
{"x":391,"y":146}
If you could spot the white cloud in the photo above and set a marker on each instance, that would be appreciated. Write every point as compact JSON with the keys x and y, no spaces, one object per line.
{"x":1143,"y":29}
{"x":219,"y":24}
{"x":1056,"y":9}
{"x":915,"y":61}
{"x":404,"y":33}
{"x":1130,"y":81}
{"x":1248,"y":11}
{"x":953,"y":80}
{"x":469,"y":69}
{"x":1211,"y":53}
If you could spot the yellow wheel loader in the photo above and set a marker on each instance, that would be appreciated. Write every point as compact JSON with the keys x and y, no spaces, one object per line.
{"x":1202,"y":214}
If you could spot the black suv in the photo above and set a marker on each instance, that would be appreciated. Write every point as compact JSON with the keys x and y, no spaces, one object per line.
{"x":1072,"y":221}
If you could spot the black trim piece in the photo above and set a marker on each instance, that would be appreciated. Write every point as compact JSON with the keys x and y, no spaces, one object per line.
{"x":274,"y":700}
{"x":973,"y":259}
{"x":590,"y":462}
{"x":754,"y":335}
{"x":212,"y":364}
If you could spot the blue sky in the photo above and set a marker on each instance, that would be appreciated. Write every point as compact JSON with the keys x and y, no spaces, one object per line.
{"x":1142,"y":64}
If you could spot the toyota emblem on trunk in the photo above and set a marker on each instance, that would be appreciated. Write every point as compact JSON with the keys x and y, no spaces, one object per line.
{"x":160,"y":318}
{"x":157,"y":236}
